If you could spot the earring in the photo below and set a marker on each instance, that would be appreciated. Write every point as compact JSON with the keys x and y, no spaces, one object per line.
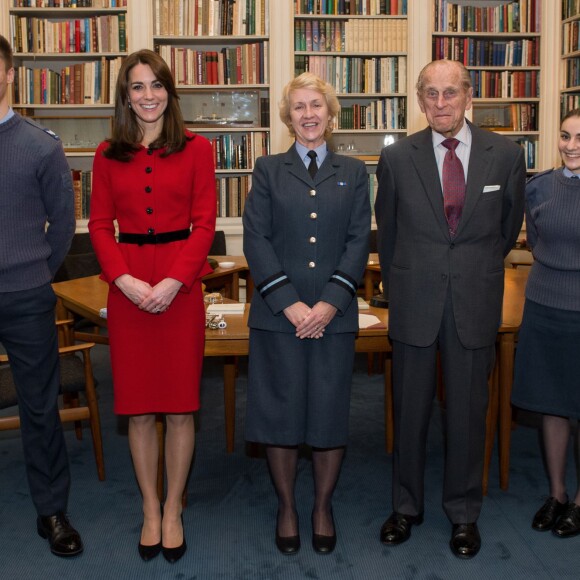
{"x":129,"y":103}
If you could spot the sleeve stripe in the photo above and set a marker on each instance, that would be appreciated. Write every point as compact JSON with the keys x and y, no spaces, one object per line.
{"x":273,"y":283}
{"x":345,"y":281}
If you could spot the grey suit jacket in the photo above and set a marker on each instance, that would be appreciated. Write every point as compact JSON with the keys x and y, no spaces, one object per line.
{"x":306,"y":240}
{"x":419,"y":260}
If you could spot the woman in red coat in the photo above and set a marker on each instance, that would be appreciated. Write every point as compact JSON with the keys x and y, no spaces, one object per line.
{"x":156,"y":180}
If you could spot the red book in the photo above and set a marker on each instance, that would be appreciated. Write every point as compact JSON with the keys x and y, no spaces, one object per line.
{"x":77,"y":36}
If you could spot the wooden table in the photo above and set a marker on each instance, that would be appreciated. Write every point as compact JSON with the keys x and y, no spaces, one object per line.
{"x":229,"y":278}
{"x":86,"y":296}
{"x":499,"y":410}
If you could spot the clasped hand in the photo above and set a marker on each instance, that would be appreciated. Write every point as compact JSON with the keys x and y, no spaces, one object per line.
{"x":154,"y":299}
{"x":310,"y":322}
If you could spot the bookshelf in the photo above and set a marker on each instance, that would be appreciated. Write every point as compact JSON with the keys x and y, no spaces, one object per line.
{"x":360,"y":48}
{"x":67,"y":54}
{"x":501,"y":48}
{"x":219,"y":53}
{"x":570,"y":56}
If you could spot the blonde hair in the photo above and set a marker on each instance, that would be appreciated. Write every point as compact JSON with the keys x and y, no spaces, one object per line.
{"x":311,"y":81}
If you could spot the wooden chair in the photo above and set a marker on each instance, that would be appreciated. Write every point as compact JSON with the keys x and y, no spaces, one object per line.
{"x":76,"y":374}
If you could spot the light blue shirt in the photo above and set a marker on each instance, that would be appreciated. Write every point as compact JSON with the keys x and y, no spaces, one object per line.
{"x":321,"y":152}
{"x":8,"y":115}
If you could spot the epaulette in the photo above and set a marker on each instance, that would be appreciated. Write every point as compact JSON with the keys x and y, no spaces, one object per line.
{"x":536,"y":175}
{"x":44,"y":129}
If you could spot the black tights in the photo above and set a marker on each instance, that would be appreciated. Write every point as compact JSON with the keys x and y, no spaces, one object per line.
{"x":326,"y":464}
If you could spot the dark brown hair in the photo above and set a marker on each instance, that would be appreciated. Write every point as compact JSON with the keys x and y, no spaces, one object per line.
{"x":6,"y":53}
{"x":127,"y":133}
{"x":569,"y":114}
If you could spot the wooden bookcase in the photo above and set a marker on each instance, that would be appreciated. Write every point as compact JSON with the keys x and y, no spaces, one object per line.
{"x":67,"y":58}
{"x":570,"y":86}
{"x":360,"y":48}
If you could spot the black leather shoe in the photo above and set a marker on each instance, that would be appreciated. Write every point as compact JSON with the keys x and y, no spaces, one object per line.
{"x":174,"y":554}
{"x":149,"y":552}
{"x":569,"y":523}
{"x":548,"y":514}
{"x":323,"y":544}
{"x":64,"y":540}
{"x":465,"y":540}
{"x":397,"y":529}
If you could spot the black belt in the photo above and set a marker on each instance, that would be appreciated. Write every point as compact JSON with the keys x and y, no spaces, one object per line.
{"x":162,"y":238}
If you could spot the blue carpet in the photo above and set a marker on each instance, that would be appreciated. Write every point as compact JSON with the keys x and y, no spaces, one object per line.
{"x":229,"y":520}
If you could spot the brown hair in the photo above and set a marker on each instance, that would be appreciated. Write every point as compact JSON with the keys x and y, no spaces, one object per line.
{"x":127,"y":133}
{"x":569,"y":114}
{"x":311,"y":81}
{"x":6,"y":53}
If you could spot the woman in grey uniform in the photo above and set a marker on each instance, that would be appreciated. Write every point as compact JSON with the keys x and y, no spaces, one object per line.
{"x":306,"y":230}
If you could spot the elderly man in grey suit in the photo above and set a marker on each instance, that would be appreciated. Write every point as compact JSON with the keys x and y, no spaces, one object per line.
{"x":449,"y":208}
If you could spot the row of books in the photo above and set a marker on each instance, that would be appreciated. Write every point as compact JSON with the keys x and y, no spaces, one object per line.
{"x":570,"y":37}
{"x":569,"y":102}
{"x":573,"y":72}
{"x":239,"y":150}
{"x":486,"y":52}
{"x":389,"y":114}
{"x":360,"y":7}
{"x":82,"y":186}
{"x":530,"y":147}
{"x":79,"y":84}
{"x":349,"y":74}
{"x":518,"y":16}
{"x":243,"y":64}
{"x":69,"y":3}
{"x":106,"y":33}
{"x":570,"y":8}
{"x":231,"y":193}
{"x":211,"y":17}
{"x":363,"y":35}
{"x":505,"y":84}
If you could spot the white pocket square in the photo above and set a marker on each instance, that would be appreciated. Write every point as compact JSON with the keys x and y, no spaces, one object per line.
{"x":488,"y":188}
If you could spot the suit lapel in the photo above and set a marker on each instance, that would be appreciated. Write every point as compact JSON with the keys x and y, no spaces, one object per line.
{"x":479,"y":163}
{"x":423,"y":158}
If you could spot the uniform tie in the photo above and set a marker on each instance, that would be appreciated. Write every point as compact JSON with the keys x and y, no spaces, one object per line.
{"x":313,"y":166}
{"x":453,"y":185}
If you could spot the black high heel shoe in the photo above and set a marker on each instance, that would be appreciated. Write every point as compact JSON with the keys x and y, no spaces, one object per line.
{"x":287,"y":545}
{"x":149,"y":552}
{"x":324,"y":544}
{"x":174,"y":554}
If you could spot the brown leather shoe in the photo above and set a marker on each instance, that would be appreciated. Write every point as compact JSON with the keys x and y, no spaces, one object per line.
{"x":397,"y":529}
{"x":548,"y":514}
{"x":64,"y":540}
{"x":465,"y":540}
{"x":568,"y":525}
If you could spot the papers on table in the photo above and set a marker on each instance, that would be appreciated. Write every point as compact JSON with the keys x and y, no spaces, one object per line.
{"x":369,"y":321}
{"x":362,"y":305}
{"x":230,"y":308}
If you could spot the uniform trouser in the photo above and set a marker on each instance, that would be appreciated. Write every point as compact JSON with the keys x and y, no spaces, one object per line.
{"x":28,"y":333}
{"x":465,"y":376}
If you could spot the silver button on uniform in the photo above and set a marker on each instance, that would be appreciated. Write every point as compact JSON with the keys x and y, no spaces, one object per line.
{"x":312,"y":193}
{"x":312,"y":240}
{"x":311,"y":264}
{"x":313,"y":215}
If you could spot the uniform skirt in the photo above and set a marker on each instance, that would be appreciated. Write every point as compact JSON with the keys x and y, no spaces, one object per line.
{"x":547,"y":367}
{"x":299,"y":390}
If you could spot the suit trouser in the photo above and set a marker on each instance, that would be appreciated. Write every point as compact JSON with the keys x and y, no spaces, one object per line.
{"x":28,"y":333}
{"x":465,"y":376}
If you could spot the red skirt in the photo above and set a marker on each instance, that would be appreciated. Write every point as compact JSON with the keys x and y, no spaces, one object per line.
{"x":156,"y":358}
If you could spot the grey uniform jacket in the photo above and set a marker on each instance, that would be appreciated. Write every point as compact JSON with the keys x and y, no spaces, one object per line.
{"x":419,"y":260}
{"x":306,"y":239}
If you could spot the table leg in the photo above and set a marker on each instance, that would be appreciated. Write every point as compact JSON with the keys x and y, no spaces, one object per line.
{"x":368,"y":285}
{"x":230,"y":400}
{"x":506,"y":377}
